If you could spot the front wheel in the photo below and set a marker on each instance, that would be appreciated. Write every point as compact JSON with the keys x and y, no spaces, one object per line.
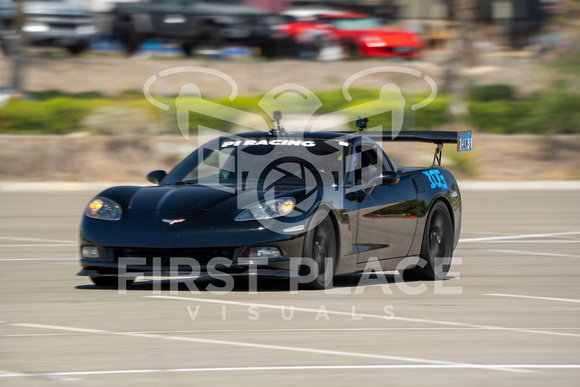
{"x":320,"y":250}
{"x":437,"y":247}
{"x":78,"y":48}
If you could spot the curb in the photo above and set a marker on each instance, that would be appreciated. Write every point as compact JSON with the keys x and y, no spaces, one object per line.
{"x":536,"y":185}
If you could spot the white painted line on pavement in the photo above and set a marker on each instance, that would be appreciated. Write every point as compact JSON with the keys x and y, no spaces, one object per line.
{"x":533,"y":297}
{"x":298,"y":368}
{"x":487,"y":232}
{"x":381,"y":317}
{"x":538,"y":241}
{"x":209,"y":331}
{"x":43,"y":245}
{"x":36,"y":240}
{"x":37,"y":259}
{"x":534,"y":185}
{"x":268,"y":346}
{"x":534,"y":253}
{"x":525,"y":236}
{"x":292,"y":368}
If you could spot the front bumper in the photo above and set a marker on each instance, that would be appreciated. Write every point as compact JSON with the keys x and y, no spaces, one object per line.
{"x":390,"y":51}
{"x":196,"y":262}
{"x":60,"y":35}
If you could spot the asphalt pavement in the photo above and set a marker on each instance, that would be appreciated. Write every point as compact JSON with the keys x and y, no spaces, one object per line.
{"x":508,"y":314}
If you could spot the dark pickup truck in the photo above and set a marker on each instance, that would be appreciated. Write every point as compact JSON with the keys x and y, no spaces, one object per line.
{"x":48,"y":23}
{"x":191,"y":23}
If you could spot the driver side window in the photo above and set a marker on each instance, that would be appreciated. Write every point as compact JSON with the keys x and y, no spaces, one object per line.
{"x":369,"y":159}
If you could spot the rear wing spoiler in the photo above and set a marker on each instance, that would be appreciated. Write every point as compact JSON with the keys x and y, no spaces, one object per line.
{"x":462,"y":139}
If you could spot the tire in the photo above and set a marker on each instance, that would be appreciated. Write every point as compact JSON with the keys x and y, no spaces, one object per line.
{"x":279,"y":48}
{"x":320,"y":247}
{"x":130,"y":39}
{"x":109,"y":281}
{"x":352,"y":50}
{"x":7,"y":47}
{"x":436,"y":249}
{"x":210,"y":35}
{"x":78,"y":48}
{"x":188,"y":48}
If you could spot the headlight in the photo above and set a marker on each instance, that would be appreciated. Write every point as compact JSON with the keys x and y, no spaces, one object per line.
{"x":86,"y":29}
{"x":267,"y":210}
{"x":373,"y":41}
{"x":36,"y":27}
{"x":104,"y":209}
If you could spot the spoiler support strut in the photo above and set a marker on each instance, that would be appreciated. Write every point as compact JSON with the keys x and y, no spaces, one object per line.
{"x":437,"y":155}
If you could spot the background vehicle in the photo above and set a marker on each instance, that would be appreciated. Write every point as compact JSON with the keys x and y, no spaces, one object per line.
{"x":191,"y":23}
{"x":359,"y":34}
{"x":49,"y":23}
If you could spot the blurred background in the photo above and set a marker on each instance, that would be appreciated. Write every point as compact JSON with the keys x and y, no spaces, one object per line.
{"x":72,"y":73}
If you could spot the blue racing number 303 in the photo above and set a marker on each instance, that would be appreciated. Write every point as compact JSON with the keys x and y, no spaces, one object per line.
{"x":435,"y":178}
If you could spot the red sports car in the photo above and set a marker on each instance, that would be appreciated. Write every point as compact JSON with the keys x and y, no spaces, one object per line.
{"x":360,"y":35}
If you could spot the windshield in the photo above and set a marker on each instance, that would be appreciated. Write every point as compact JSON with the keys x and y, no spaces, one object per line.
{"x":352,"y":24}
{"x":257,"y":163}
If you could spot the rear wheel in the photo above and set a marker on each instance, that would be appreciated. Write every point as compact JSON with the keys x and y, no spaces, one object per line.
{"x":437,"y":247}
{"x":110,"y":281}
{"x":188,"y":48}
{"x":77,"y":48}
{"x":320,"y":248}
{"x":130,"y":38}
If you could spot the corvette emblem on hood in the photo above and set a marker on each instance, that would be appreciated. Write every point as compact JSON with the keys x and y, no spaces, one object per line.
{"x":172,"y":221}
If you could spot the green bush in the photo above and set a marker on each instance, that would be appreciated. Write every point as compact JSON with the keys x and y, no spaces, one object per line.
{"x":551,"y":112}
{"x":52,"y":94}
{"x":500,"y":116}
{"x":491,"y":93}
{"x":58,"y":115}
{"x":428,"y":117}
{"x":554,"y":112}
{"x":333,"y":100}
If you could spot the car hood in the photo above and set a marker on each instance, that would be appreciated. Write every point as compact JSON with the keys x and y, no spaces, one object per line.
{"x":179,"y":198}
{"x":195,"y":197}
{"x":54,"y":8}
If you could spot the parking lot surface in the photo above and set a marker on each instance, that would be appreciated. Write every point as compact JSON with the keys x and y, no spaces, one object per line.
{"x":508,"y":314}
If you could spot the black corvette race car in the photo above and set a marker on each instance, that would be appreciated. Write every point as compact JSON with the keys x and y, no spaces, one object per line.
{"x":305,"y":206}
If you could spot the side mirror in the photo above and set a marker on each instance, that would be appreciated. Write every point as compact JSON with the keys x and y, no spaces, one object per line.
{"x":390,"y":177}
{"x":156,"y":177}
{"x":381,"y":178}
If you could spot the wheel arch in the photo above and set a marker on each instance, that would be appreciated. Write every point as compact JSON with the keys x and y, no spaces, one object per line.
{"x":447,"y":203}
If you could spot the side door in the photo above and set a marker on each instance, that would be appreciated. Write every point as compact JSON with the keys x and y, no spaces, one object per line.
{"x":386,"y":218}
